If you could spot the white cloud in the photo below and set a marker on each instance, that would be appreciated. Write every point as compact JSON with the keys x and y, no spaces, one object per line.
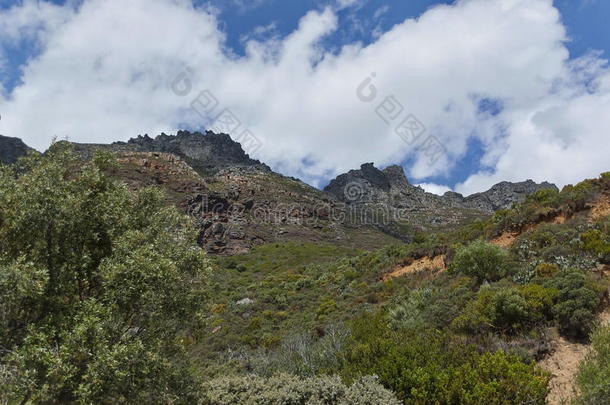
{"x":434,"y":188}
{"x":105,"y":72}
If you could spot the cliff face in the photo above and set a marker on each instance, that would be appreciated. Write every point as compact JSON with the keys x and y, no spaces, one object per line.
{"x":12,"y":149}
{"x":503,"y":195}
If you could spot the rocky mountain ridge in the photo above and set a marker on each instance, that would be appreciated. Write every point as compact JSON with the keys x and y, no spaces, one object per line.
{"x":370,"y":185}
{"x":238,"y":202}
{"x":207,"y":152}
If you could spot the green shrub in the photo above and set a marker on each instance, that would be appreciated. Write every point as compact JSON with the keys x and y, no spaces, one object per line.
{"x":506,"y":309}
{"x":576,"y":303}
{"x":287,"y":389}
{"x":482,"y":260}
{"x":431,"y":368}
{"x":546,"y":270}
{"x":598,"y":243}
{"x":593,"y":378}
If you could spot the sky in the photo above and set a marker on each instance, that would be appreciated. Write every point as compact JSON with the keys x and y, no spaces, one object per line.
{"x":463,"y":94}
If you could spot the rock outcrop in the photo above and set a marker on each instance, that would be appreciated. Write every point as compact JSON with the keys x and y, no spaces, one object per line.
{"x":12,"y":149}
{"x":207,"y":152}
{"x":370,"y":189}
{"x":504,"y":195}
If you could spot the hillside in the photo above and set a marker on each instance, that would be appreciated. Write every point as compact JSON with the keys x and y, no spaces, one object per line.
{"x":238,"y":202}
{"x":446,"y":299}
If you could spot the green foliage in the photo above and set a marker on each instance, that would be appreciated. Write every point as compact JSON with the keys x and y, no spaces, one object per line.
{"x":576,"y":303}
{"x":286,"y":389}
{"x":546,"y":197}
{"x":593,"y":378}
{"x":97,"y":284}
{"x":482,"y":260}
{"x":546,"y":270}
{"x":431,"y":368}
{"x":597,"y":242}
{"x":506,"y":309}
{"x":432,"y":306}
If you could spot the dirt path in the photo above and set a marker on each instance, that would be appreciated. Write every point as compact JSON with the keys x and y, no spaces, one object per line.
{"x":430,"y":263}
{"x":563,"y":365}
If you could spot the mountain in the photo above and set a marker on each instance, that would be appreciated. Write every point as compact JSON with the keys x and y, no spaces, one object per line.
{"x":12,"y":149}
{"x":238,"y":202}
{"x":371,"y":188}
{"x":206,"y":153}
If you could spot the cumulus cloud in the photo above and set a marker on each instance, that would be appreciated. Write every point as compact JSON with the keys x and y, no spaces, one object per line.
{"x":434,"y":188}
{"x":105,"y":71}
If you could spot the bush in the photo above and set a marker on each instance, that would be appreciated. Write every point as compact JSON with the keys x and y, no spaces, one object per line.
{"x":593,"y":378}
{"x":596,"y":242}
{"x":507,"y":309}
{"x":482,"y":260}
{"x":430,"y":368}
{"x":576,"y":303}
{"x":286,"y":389}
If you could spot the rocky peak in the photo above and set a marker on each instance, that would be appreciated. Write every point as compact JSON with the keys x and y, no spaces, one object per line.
{"x":504,"y":194}
{"x":355,"y":185}
{"x":396,"y":176}
{"x":207,"y":152}
{"x":12,"y":149}
{"x":390,"y":185}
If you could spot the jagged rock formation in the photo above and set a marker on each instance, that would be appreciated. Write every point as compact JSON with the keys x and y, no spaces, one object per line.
{"x":12,"y":149}
{"x":206,"y":153}
{"x":371,"y":189}
{"x":237,"y":202}
{"x":371,"y":185}
{"x":503,"y":195}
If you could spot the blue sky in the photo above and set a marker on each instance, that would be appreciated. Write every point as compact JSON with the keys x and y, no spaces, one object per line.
{"x":483,"y":128}
{"x":587,"y":23}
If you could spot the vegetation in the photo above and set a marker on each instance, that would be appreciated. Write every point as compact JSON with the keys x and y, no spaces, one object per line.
{"x":431,"y":367}
{"x":287,"y":389}
{"x":98,"y":286}
{"x":593,"y":378}
{"x":483,"y":261}
{"x":106,"y":298}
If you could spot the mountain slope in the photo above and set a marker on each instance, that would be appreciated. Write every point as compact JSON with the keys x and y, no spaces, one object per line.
{"x":238,"y":202}
{"x":12,"y":149}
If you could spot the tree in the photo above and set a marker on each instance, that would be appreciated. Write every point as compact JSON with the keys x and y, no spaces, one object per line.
{"x":97,"y":284}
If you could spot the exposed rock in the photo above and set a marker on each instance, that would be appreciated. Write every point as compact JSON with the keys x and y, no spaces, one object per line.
{"x":505,"y":194}
{"x":12,"y":149}
{"x":206,"y":153}
{"x":371,"y":189}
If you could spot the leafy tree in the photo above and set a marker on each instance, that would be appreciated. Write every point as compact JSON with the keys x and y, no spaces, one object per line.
{"x":97,"y":284}
{"x":482,"y":260}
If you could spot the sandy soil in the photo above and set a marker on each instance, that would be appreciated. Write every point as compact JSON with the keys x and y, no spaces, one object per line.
{"x":425,"y":263}
{"x":600,"y":209}
{"x":563,"y":365}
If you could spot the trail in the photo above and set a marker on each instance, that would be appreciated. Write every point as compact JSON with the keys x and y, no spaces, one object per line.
{"x":563,"y":365}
